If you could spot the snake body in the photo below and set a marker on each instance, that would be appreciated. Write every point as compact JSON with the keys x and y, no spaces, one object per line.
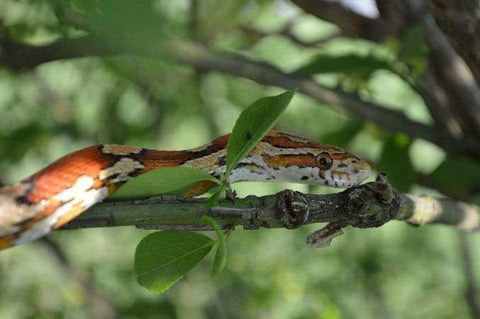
{"x":58,"y":193}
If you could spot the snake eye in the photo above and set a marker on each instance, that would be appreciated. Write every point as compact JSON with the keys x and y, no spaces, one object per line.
{"x":324,"y":161}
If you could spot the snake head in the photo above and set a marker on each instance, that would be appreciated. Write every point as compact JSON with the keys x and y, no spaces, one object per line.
{"x":339,"y":168}
{"x":290,"y":158}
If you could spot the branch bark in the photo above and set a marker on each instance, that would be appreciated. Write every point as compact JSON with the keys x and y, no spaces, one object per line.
{"x":369,"y":205}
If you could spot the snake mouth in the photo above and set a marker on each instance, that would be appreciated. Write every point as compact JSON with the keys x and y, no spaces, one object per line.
{"x":350,"y":177}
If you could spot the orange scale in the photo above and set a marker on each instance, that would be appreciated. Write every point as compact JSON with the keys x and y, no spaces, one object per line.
{"x":63,"y":173}
{"x":295,"y":160}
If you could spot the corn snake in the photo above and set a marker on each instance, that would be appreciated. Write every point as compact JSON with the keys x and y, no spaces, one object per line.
{"x":55,"y":195}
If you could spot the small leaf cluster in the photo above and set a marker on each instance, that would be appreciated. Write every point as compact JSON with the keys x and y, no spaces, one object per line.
{"x":163,"y":258}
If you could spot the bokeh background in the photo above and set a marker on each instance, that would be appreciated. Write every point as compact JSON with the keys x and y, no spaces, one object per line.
{"x":395,"y":271}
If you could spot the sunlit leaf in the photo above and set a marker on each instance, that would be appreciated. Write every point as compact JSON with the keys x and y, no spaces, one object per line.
{"x":253,"y":124}
{"x":162,"y":181}
{"x":162,"y":258}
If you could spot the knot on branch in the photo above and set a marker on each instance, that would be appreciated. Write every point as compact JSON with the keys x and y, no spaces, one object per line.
{"x":292,"y":209}
{"x":369,"y":205}
{"x":373,"y":204}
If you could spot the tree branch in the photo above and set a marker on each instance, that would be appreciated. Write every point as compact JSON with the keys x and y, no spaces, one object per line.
{"x":260,"y":72}
{"x":460,"y":23}
{"x":457,"y":18}
{"x":368,"y":205}
{"x":453,"y":68}
{"x":421,"y":210}
{"x":350,"y":23}
{"x":391,"y":23}
{"x":290,"y":35}
{"x":439,"y":103}
{"x":20,"y":56}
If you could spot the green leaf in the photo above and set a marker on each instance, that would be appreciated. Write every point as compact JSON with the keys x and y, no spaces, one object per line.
{"x":220,"y":259}
{"x":162,"y":181}
{"x":216,"y":193}
{"x":395,"y":161}
{"x":18,"y":142}
{"x":163,"y":258}
{"x":345,"y":135}
{"x":459,"y":174}
{"x":413,"y":49}
{"x":349,"y":64}
{"x":253,"y":124}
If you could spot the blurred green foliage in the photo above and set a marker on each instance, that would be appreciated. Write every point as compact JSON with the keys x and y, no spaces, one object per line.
{"x":391,"y":272}
{"x":395,"y":160}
